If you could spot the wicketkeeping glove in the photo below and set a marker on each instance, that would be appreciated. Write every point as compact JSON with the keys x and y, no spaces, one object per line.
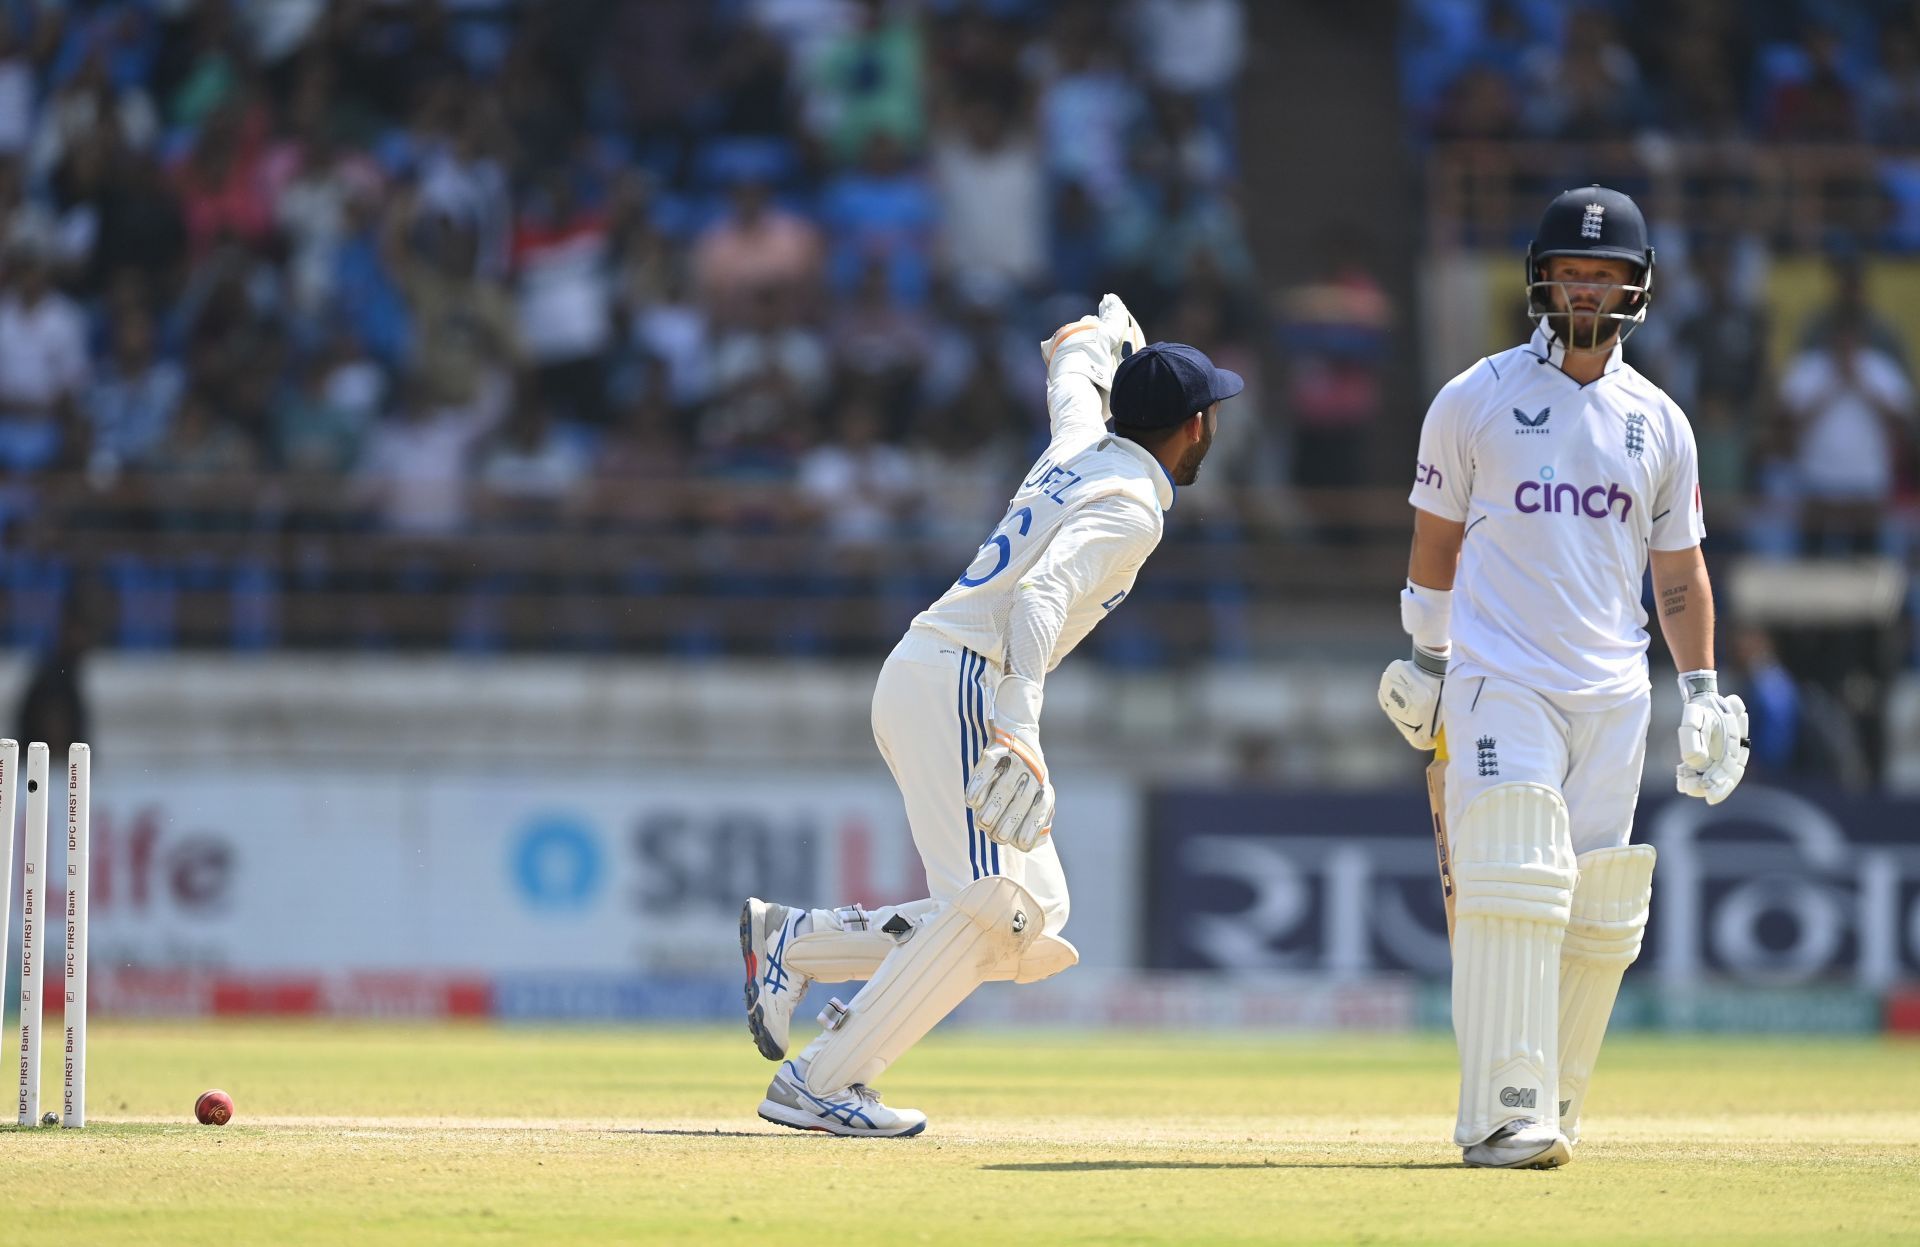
{"x":1009,"y":794}
{"x":1095,"y":345}
{"x":1714,"y":744}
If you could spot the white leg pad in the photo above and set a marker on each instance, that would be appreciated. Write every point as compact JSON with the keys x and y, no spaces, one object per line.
{"x":848,"y":944}
{"x":1045,"y":957}
{"x":992,"y":920}
{"x":1610,"y":905}
{"x":1513,"y":875}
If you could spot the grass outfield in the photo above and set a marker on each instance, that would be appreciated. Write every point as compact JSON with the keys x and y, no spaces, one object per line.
{"x":455,"y":1134}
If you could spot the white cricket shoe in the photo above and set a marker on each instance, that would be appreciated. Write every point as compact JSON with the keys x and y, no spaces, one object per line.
{"x":772,"y":989}
{"x":1521,"y":1144}
{"x":855,"y":1111}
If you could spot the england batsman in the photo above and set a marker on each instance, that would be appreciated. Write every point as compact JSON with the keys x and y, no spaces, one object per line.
{"x":1550,"y":476}
{"x":957,"y":717}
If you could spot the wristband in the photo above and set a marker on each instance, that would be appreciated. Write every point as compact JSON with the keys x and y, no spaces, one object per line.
{"x":1427,"y":616}
{"x":1704,"y":682}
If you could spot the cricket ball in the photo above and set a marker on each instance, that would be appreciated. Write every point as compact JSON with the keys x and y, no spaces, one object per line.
{"x":213,"y":1108}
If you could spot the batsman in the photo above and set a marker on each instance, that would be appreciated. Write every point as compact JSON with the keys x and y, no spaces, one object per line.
{"x":1550,"y":477}
{"x":956,"y":715}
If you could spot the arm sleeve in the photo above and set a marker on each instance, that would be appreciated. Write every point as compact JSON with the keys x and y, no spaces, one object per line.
{"x":1090,"y":546}
{"x":1678,"y":522}
{"x":1443,"y":479}
{"x":1079,"y":369}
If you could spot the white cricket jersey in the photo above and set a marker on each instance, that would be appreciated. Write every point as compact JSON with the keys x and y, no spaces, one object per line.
{"x":1563,"y":489}
{"x":1074,"y":537}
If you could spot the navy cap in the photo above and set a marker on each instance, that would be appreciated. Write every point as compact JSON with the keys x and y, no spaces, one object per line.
{"x":1160,"y":385}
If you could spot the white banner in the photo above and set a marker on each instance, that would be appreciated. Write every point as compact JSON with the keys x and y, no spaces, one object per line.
{"x":332,"y":869}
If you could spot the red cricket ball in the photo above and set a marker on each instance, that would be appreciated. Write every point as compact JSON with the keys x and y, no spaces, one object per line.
{"x":213,"y":1108}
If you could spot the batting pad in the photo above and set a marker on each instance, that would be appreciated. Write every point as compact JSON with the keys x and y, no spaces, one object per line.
{"x":847,"y":945}
{"x":1045,"y":957}
{"x":991,"y":921}
{"x":1513,"y":875}
{"x":1610,"y":905}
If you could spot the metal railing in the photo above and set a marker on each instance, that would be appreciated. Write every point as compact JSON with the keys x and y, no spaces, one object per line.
{"x":1798,"y":197}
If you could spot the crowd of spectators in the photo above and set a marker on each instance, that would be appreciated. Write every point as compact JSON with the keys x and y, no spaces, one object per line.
{"x":1784,"y":71}
{"x":492,"y":261}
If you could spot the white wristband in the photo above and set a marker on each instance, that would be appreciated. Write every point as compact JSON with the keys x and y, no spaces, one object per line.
{"x":1427,"y":615}
{"x":1695,"y":683}
{"x":1016,"y":704}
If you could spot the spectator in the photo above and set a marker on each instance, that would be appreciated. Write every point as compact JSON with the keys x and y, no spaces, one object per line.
{"x":870,"y":81}
{"x":16,"y":91}
{"x":768,"y":373}
{"x":560,"y":257}
{"x":464,"y":333}
{"x":131,"y":406}
{"x":885,"y":212}
{"x":1087,"y":106}
{"x":533,"y":469}
{"x":1174,"y":144}
{"x":88,"y":104}
{"x":43,"y":364}
{"x":1817,"y":105}
{"x":880,"y":342}
{"x":1588,"y":90}
{"x":417,"y":467}
{"x":1478,"y":105}
{"x":1851,"y":410}
{"x":1851,"y":306}
{"x":1892,"y":96}
{"x":317,"y":424}
{"x":758,"y":246}
{"x":1078,"y":243}
{"x":312,"y":211}
{"x":202,"y":444}
{"x":1164,"y":228}
{"x":992,"y":200}
{"x":222,"y":190}
{"x":862,"y":489}
{"x":142,"y":230}
{"x":1192,"y":47}
{"x":1722,"y":344}
{"x":1334,"y":331}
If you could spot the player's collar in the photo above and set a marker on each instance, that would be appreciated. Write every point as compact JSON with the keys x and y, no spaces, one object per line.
{"x":1162,"y":479}
{"x":1549,"y":348}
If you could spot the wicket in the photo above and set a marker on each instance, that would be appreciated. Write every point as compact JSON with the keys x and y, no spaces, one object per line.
{"x":34,"y":896}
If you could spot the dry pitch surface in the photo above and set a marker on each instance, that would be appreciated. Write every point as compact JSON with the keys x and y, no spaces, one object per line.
{"x":444,"y":1134}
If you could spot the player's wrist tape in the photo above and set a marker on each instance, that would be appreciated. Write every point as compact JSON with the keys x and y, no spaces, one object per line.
{"x":1427,"y":616}
{"x":1702,"y":683}
{"x":1016,"y":705}
{"x":1431,"y":663}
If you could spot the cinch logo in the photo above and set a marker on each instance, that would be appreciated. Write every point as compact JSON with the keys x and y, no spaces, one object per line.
{"x":1428,"y":475}
{"x":1594,"y":502}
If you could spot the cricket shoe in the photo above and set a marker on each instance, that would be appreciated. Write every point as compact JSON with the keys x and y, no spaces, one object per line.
{"x":772,"y":989}
{"x":855,"y":1111}
{"x":1521,"y":1144}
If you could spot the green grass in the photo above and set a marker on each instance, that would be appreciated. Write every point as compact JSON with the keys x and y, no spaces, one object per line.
{"x":454,"y":1134}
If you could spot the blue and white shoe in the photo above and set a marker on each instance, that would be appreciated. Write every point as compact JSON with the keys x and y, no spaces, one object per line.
{"x":856,"y":1111}
{"x":772,"y":989}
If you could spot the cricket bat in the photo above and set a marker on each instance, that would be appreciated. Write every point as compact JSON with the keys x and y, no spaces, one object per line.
{"x":1437,"y":800}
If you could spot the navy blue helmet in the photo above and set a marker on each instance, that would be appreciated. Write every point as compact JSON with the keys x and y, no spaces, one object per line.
{"x":1595,"y":222}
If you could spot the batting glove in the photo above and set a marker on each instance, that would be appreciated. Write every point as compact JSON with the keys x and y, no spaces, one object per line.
{"x":1009,"y":794}
{"x":1410,"y":696}
{"x":1714,"y":744}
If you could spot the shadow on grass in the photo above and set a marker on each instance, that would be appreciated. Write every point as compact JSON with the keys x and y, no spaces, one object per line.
{"x":695,"y":1134}
{"x":1101,"y":1166}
